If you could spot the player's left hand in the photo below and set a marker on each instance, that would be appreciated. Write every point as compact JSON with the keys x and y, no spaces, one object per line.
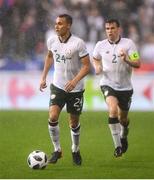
{"x":43,"y":85}
{"x":70,"y":85}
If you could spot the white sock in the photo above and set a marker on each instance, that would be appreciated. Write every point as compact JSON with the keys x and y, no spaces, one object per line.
{"x":54,"y":135}
{"x":75,"y":136}
{"x":115,"y":132}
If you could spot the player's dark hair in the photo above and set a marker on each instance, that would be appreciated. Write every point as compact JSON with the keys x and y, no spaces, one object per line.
{"x":113,"y":21}
{"x":67,"y":17}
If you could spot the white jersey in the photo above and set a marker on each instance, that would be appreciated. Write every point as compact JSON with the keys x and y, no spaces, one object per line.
{"x":67,"y":60}
{"x":116,"y":73}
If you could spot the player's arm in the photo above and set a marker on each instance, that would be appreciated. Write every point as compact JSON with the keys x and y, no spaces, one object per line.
{"x":47,"y":64}
{"x":132,"y":60}
{"x":97,"y":64}
{"x":82,"y":73}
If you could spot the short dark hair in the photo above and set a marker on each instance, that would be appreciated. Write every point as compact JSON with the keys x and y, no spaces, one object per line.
{"x":113,"y":21}
{"x":67,"y":17}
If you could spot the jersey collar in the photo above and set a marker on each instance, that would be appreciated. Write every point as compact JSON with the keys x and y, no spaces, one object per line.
{"x":65,"y":39}
{"x":115,"y":42}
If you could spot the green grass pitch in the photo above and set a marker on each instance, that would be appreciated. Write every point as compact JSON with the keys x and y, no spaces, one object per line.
{"x":24,"y":131}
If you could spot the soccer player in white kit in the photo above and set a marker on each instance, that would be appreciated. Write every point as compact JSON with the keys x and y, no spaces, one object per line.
{"x":71,"y":62}
{"x":114,"y":59}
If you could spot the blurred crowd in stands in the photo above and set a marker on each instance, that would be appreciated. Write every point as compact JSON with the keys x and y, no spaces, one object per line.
{"x":26,"y":24}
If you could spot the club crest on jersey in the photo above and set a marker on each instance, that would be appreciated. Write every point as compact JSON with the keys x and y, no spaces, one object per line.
{"x":53,"y":96}
{"x":68,"y":54}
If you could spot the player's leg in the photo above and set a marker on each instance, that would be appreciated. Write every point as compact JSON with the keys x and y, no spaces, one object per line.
{"x":124,"y":122}
{"x":56,"y":105}
{"x":74,"y":107}
{"x":53,"y":127}
{"x":75,"y":131}
{"x":75,"y":137}
{"x":114,"y":125}
{"x":124,"y":98}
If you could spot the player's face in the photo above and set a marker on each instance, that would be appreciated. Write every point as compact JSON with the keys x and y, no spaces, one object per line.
{"x":112,"y":31}
{"x":62,"y":26}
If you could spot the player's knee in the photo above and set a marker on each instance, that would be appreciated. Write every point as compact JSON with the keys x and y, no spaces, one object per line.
{"x":53,"y":120}
{"x":74,"y":121}
{"x":53,"y":116}
{"x":113,"y":110}
{"x":73,"y":124}
{"x":75,"y":129}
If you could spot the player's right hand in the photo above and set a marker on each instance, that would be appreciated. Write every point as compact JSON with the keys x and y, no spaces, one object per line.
{"x":43,"y":85}
{"x":98,"y":69}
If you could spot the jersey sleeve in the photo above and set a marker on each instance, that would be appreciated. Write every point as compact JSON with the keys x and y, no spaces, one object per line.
{"x":82,"y":49}
{"x":96,"y":51}
{"x":133,"y":52}
{"x":49,"y":44}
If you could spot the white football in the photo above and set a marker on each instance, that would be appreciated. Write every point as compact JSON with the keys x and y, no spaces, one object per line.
{"x":37,"y":160}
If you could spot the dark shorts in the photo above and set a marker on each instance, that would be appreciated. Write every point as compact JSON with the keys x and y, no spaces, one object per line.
{"x":73,"y":100}
{"x":124,"y":97}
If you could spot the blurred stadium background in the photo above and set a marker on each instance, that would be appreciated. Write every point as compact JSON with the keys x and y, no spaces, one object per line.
{"x":25,"y":26}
